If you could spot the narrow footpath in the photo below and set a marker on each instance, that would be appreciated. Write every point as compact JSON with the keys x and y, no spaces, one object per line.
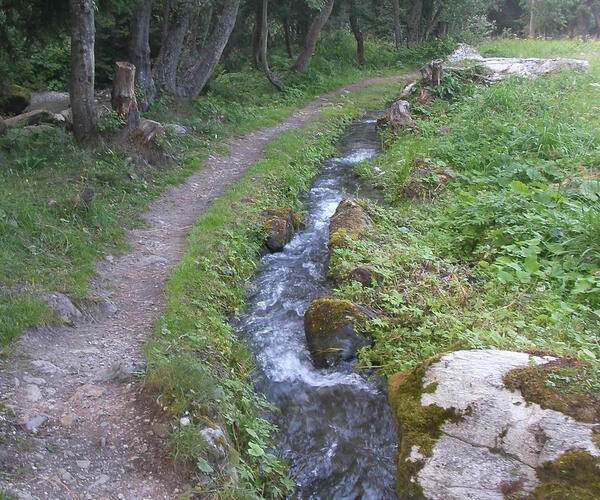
{"x":92,"y":432}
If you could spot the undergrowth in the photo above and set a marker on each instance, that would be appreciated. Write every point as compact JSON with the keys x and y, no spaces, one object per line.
{"x":491,"y":235}
{"x":197,"y":366}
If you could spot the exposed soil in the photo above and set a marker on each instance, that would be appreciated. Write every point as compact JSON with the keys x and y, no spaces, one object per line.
{"x":96,"y":434}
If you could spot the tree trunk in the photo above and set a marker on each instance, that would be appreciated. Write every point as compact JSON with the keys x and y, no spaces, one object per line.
{"x":2,"y":127}
{"x":288,"y":41}
{"x":139,"y":51}
{"x":256,"y":36}
{"x":85,"y":119}
{"x":414,"y":21}
{"x":532,"y":21}
{"x":360,"y":41}
{"x":310,"y":40}
{"x":195,"y":38}
{"x":123,"y":94}
{"x":433,"y":24}
{"x":437,"y":72}
{"x":194,"y":79}
{"x":165,"y":67}
{"x":397,"y":27}
{"x":264,"y":37}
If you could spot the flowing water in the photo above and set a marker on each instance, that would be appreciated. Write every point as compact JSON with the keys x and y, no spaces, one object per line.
{"x":336,"y":429}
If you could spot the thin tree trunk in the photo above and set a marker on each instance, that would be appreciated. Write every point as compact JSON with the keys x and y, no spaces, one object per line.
{"x":256,"y":34}
{"x":532,"y":21}
{"x":264,"y":37}
{"x":139,"y":51}
{"x":288,"y":41}
{"x":165,"y":67}
{"x":85,"y":119}
{"x":433,"y":24}
{"x":193,"y":80}
{"x":414,"y":21}
{"x":360,"y":41}
{"x":310,"y":40}
{"x":397,"y":27}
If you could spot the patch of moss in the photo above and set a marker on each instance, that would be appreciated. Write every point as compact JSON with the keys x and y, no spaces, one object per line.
{"x":574,"y":475}
{"x":417,"y":425}
{"x":349,"y":221}
{"x":565,"y":385}
{"x":328,"y":315}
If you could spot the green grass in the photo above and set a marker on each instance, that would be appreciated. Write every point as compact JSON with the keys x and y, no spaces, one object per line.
{"x":49,"y":240}
{"x":197,"y":365}
{"x":499,"y":243}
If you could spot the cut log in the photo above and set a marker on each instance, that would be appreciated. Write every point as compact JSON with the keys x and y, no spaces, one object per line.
{"x":35,"y":118}
{"x":146,"y":131}
{"x":123,"y":94}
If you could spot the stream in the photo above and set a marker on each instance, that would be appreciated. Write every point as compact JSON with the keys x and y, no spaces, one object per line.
{"x":335,"y":426}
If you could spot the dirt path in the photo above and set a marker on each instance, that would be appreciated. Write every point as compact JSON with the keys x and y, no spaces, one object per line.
{"x":95,"y":436}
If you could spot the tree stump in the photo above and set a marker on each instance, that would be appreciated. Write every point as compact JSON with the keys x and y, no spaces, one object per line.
{"x":123,"y":94}
{"x":433,"y":72}
{"x":437,"y":72}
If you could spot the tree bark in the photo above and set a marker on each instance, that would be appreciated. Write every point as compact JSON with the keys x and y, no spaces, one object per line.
{"x":414,"y":21}
{"x":85,"y":119}
{"x":256,"y":36}
{"x":360,"y":40}
{"x":310,"y":40}
{"x":193,"y":80}
{"x":123,"y":94}
{"x":195,"y":38}
{"x":288,"y":41}
{"x":165,"y":67}
{"x":433,"y":24}
{"x":264,"y":37}
{"x":397,"y":27}
{"x":532,"y":21}
{"x":139,"y":51}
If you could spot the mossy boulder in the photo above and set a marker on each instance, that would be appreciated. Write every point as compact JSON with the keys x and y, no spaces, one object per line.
{"x":332,"y":328}
{"x":464,"y":434}
{"x":279,"y":226}
{"x":349,"y":221}
{"x":14,"y":100}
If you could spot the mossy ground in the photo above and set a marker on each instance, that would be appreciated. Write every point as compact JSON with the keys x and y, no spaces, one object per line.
{"x":566,"y":385}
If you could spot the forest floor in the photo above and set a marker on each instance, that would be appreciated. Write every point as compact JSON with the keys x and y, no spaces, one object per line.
{"x":77,"y":423}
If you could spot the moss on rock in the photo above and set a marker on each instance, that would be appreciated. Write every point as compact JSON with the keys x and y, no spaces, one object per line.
{"x":349,"y":221}
{"x":332,"y":329}
{"x":575,"y":475}
{"x":419,"y":427}
{"x":562,"y":385}
{"x":15,"y":100}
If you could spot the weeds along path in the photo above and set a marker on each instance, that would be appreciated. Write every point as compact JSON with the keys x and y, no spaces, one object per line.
{"x":95,"y":435}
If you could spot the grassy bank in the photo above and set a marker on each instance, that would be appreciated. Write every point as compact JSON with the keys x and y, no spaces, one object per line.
{"x":50,"y":238}
{"x":491,"y":232}
{"x":196,"y":364}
